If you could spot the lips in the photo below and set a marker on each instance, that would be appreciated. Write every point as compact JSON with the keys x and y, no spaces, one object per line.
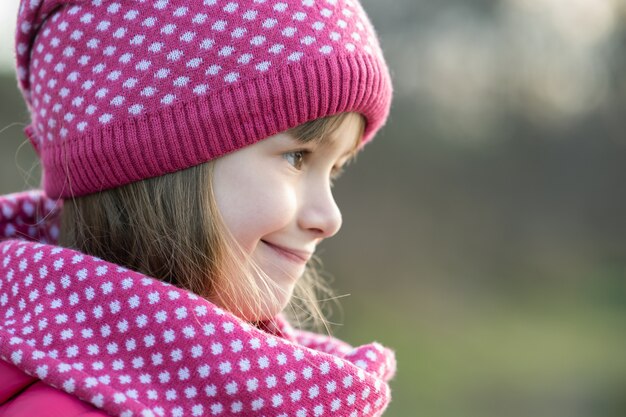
{"x":292,"y":254}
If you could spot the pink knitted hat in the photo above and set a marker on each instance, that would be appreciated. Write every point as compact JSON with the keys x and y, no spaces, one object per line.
{"x":125,"y":90}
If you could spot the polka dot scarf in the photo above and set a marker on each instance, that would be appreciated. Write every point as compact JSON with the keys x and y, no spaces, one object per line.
{"x":135,"y":346}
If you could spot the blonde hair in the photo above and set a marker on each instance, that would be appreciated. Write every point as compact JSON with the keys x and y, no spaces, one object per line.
{"x":169,"y":228}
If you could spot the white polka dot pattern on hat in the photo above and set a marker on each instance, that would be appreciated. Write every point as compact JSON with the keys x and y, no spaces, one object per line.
{"x":120,"y":91}
{"x":132,"y":345}
{"x":102,"y":61}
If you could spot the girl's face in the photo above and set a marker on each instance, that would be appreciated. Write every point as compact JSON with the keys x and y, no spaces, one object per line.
{"x":275,"y":198}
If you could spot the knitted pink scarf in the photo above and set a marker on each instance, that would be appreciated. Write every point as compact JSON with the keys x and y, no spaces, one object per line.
{"x":135,"y":346}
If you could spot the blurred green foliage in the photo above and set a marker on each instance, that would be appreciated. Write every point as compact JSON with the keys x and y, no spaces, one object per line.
{"x":484,"y":229}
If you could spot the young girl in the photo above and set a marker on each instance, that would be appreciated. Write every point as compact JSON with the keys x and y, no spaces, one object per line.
{"x":188,"y":153}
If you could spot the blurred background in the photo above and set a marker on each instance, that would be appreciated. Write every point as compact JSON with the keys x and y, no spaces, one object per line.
{"x":484,"y":233}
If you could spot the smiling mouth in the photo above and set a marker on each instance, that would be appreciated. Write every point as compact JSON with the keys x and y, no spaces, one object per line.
{"x":290,"y":254}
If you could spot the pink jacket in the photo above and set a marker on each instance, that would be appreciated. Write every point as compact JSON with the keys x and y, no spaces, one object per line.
{"x":22,"y":395}
{"x":82,"y":336}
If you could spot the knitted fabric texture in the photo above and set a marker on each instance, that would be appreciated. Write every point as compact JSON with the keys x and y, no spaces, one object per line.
{"x":135,"y":346}
{"x":121,"y":91}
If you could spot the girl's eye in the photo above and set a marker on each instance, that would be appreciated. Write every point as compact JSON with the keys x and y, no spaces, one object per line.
{"x":295,"y":158}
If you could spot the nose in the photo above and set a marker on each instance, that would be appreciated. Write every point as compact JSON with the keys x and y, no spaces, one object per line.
{"x":319,"y":212}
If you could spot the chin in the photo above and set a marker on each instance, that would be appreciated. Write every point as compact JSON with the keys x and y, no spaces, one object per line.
{"x":258,"y":315}
{"x":257,"y":310}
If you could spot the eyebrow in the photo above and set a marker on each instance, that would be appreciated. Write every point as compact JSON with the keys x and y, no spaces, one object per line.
{"x":332,"y":138}
{"x":351,"y":154}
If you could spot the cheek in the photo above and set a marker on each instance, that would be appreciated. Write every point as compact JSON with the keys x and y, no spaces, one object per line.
{"x":270,"y":210}
{"x":255,"y":206}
